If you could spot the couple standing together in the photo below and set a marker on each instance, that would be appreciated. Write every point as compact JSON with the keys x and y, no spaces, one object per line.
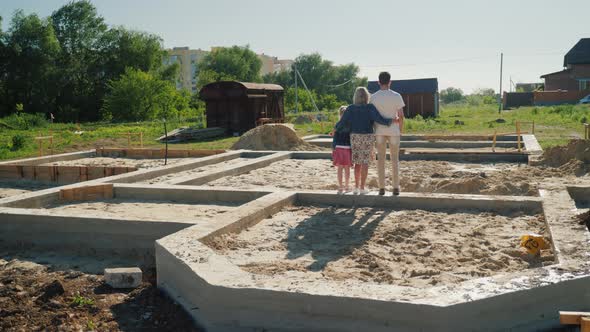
{"x":372,"y":120}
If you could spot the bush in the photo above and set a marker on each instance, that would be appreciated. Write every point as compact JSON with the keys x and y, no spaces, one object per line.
{"x":18,"y":142}
{"x":25,"y":121}
{"x":4,"y":152}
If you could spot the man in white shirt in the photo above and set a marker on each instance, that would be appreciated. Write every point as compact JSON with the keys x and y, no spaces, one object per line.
{"x":391,"y":105}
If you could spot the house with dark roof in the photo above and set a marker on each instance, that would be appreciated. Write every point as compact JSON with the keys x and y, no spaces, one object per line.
{"x":420,"y":95}
{"x":576,"y":73}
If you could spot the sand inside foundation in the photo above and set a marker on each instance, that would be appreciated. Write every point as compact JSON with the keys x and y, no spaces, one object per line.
{"x":12,"y":187}
{"x":135,"y":209}
{"x":119,"y":162}
{"x":416,"y":176}
{"x":172,"y":177}
{"x":409,"y":248}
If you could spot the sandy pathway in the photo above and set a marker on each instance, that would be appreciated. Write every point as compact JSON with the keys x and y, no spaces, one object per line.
{"x":411,"y":248}
{"x":169,"y":178}
{"x":119,"y":162}
{"x":152,"y":210}
{"x":11,"y":187}
{"x":416,"y":176}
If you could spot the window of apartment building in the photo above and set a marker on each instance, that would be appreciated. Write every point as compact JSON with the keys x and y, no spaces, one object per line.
{"x":584,"y":84}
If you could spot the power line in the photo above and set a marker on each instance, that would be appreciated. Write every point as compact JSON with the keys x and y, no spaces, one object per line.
{"x":339,"y":85}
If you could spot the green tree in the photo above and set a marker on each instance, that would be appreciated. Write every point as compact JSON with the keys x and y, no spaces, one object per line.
{"x":28,"y":51}
{"x":346,"y":80}
{"x":229,"y":63}
{"x":321,"y":76}
{"x":283,"y":78}
{"x":63,"y":64}
{"x":79,"y":30}
{"x":121,"y":48}
{"x":485,"y":92}
{"x":483,"y":96}
{"x":450,"y":95}
{"x":139,"y":95}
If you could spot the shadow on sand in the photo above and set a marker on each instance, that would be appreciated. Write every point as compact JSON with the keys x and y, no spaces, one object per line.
{"x":332,"y":234}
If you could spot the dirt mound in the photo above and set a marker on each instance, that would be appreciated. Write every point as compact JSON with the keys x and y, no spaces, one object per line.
{"x":558,"y":156}
{"x":277,"y":137}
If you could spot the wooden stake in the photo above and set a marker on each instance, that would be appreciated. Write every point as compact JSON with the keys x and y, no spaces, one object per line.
{"x":40,"y":146}
{"x":50,"y":142}
{"x":141,"y":139}
{"x":533,"y":130}
{"x":494,"y":144}
{"x":518,"y":135}
{"x":129,"y":139}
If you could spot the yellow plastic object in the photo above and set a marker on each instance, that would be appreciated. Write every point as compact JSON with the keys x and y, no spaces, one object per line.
{"x":533,"y":243}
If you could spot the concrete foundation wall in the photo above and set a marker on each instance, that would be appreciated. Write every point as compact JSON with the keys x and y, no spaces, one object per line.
{"x":246,"y":309}
{"x":433,"y":202}
{"x":132,"y":239}
{"x":408,"y":138}
{"x":184,"y":194}
{"x":248,"y":305}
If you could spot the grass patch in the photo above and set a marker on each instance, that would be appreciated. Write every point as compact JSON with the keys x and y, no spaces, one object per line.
{"x":81,"y":301}
{"x":554,"y":125}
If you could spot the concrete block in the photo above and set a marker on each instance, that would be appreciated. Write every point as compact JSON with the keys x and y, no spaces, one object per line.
{"x":124,"y":277}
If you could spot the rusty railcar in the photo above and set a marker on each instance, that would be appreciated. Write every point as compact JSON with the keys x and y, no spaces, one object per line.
{"x":241,"y":106}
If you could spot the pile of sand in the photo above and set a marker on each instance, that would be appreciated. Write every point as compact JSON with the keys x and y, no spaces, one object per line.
{"x":277,"y":137}
{"x":573,"y":154}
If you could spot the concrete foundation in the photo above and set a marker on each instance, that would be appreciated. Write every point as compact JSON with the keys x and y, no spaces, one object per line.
{"x":25,"y":224}
{"x":223,"y":297}
{"x":440,"y":143}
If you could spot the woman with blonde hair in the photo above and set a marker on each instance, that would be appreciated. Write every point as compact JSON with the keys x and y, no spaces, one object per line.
{"x":359,"y":117}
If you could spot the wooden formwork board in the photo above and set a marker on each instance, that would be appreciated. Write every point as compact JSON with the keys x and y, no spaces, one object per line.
{"x":60,"y":174}
{"x":87,"y":193}
{"x":154,"y":153}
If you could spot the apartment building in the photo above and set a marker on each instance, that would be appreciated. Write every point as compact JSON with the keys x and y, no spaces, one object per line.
{"x":189,"y":59}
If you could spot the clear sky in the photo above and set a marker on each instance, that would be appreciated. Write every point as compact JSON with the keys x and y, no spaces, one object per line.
{"x":459,"y":42}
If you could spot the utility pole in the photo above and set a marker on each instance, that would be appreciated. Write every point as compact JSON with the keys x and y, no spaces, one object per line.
{"x":308,"y":92}
{"x":296,"y":96}
{"x":501,"y":64}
